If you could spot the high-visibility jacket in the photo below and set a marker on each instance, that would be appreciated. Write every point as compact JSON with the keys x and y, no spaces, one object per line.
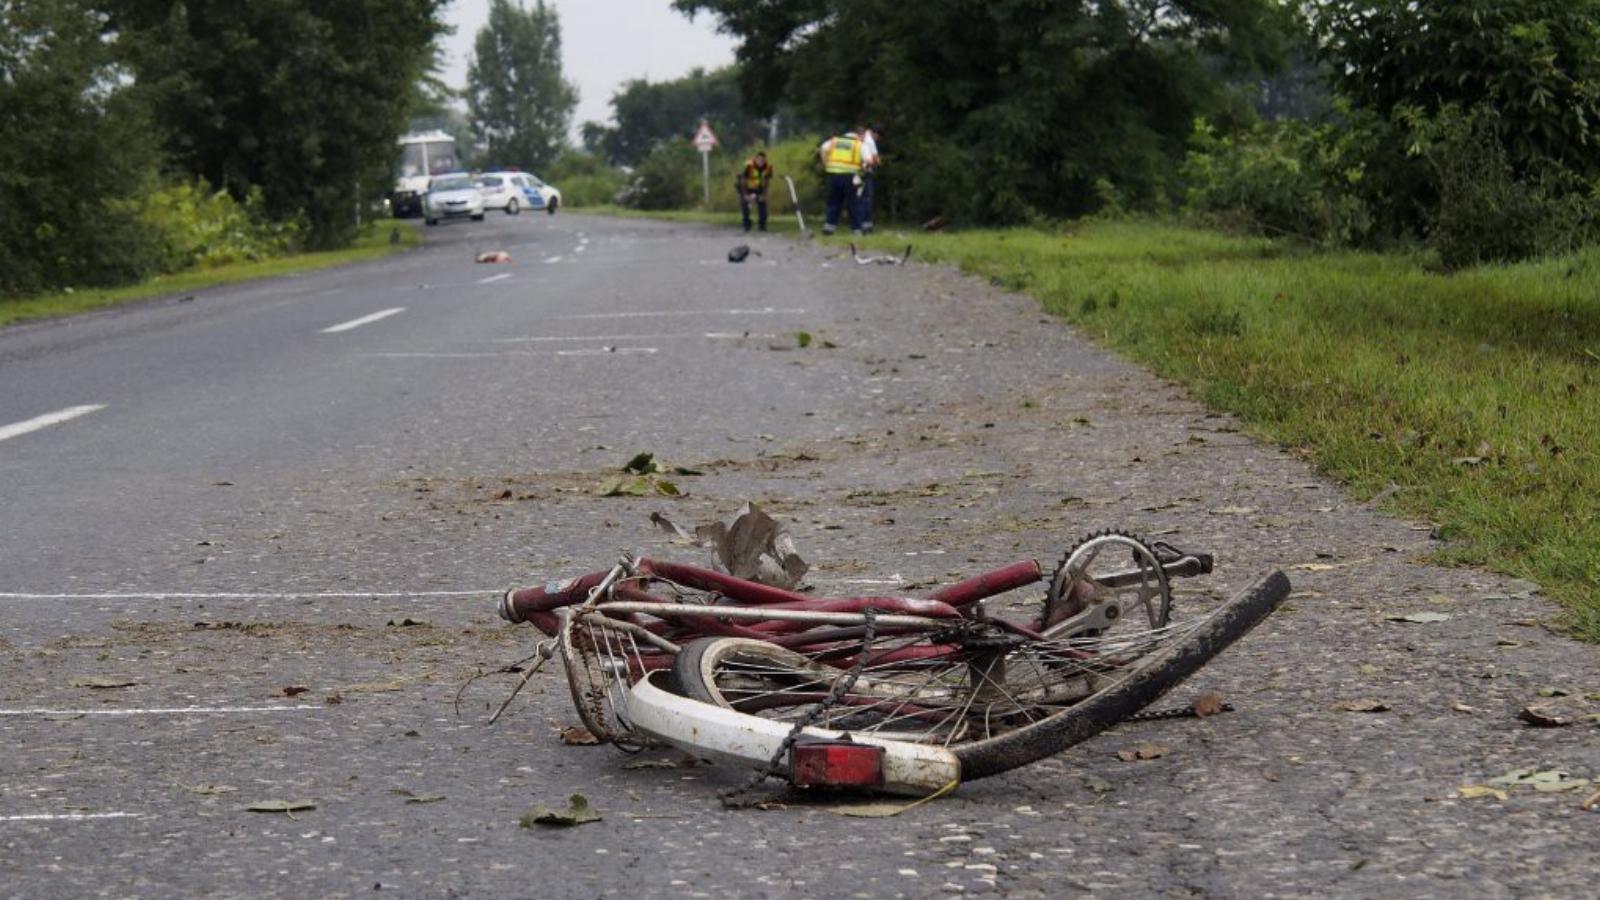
{"x":755,"y":177}
{"x":843,"y":155}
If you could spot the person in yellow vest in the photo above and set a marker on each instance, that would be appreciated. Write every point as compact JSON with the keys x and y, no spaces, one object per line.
{"x":842,"y":160}
{"x":751,"y":183}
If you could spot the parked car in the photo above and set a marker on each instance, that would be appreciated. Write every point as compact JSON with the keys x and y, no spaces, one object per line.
{"x":514,"y":191}
{"x":452,"y":196}
{"x":549,"y":197}
{"x":507,"y":191}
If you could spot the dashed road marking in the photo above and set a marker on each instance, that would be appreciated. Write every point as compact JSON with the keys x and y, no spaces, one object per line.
{"x":249,"y":595}
{"x":46,"y":420}
{"x":553,"y":259}
{"x":364,"y":320}
{"x":602,"y":351}
{"x":161,"y":711}
{"x":493,"y":278}
{"x":70,"y":817}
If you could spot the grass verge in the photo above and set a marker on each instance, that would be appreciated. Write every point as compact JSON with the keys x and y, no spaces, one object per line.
{"x":1467,"y":399}
{"x":373,"y":243}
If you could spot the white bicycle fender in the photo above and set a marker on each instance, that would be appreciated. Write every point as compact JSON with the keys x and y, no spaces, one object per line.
{"x":724,"y":735}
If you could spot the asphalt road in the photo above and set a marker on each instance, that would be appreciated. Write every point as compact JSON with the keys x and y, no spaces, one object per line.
{"x":321,"y":482}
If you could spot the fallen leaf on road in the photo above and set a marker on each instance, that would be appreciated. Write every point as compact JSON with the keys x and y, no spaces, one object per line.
{"x":1421,"y":618}
{"x":1208,"y":704}
{"x":1365,"y":705}
{"x":1556,"y":787}
{"x":578,"y":811}
{"x":1146,"y":751}
{"x":294,"y":690}
{"x":1474,"y":791}
{"x":1098,"y":785}
{"x":578,"y":736}
{"x":280,"y":806}
{"x":103,"y":682}
{"x":1234,"y":511}
{"x":1545,"y":715}
{"x":425,"y":798}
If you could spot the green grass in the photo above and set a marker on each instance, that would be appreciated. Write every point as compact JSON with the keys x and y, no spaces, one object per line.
{"x":373,"y":243}
{"x":1475,"y":393}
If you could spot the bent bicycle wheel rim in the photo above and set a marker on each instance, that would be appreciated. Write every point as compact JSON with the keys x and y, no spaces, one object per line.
{"x":981,"y":759}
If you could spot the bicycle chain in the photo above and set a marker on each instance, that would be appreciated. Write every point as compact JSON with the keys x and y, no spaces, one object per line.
{"x":735,"y":798}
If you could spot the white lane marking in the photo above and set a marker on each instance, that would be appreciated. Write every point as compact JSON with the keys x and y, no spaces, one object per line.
{"x":69,"y":817}
{"x":764,"y":311}
{"x":553,"y":259}
{"x":250,"y":595}
{"x":602,"y":351}
{"x":159,"y":711}
{"x":364,"y":320}
{"x":493,"y":278}
{"x":48,"y":419}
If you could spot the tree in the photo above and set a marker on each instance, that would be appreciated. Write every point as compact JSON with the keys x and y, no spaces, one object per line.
{"x":1534,"y":63}
{"x":77,"y":149}
{"x":303,"y":98}
{"x":520,"y":104}
{"x":647,"y":113}
{"x":1005,"y":109}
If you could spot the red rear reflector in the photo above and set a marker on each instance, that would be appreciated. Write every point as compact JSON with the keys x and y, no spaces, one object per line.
{"x":835,"y":764}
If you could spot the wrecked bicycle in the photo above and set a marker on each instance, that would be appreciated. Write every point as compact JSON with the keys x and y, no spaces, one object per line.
{"x":903,"y":694}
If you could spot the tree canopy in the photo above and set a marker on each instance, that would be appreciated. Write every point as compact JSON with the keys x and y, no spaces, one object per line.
{"x":303,"y":98}
{"x":1006,"y":109}
{"x":520,"y":104}
{"x":647,"y":113}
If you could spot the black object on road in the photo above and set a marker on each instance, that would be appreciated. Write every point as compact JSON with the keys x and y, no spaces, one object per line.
{"x":739,"y":253}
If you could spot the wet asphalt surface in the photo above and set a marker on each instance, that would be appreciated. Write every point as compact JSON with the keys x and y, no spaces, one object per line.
{"x":283,"y":545}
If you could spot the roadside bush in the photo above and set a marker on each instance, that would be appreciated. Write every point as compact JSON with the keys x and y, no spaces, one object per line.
{"x":1279,"y":178}
{"x":1486,"y":210}
{"x":196,"y":226}
{"x":669,"y":178}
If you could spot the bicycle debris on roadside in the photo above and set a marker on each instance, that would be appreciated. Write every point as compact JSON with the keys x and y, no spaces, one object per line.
{"x":905,"y":695}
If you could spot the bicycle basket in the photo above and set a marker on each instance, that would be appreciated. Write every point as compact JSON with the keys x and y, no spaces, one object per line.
{"x":603,"y":658}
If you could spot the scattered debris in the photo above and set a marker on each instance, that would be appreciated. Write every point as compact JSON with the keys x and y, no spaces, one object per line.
{"x":578,"y":812}
{"x":281,"y":806}
{"x":494,"y":256}
{"x":1365,"y":705}
{"x":1208,"y":704}
{"x":103,"y":682}
{"x":1474,"y":791}
{"x":739,"y":254}
{"x":578,"y":736}
{"x":1421,"y":618}
{"x":1144,"y":752}
{"x":1547,"y":715}
{"x":880,"y":260}
{"x":210,"y":790}
{"x":294,"y":690}
{"x":1548,"y":781}
{"x":753,"y":546}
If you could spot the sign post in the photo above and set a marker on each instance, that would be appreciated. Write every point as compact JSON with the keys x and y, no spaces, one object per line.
{"x":705,"y":140}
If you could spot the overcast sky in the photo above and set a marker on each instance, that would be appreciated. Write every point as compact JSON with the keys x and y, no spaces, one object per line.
{"x":604,"y":43}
